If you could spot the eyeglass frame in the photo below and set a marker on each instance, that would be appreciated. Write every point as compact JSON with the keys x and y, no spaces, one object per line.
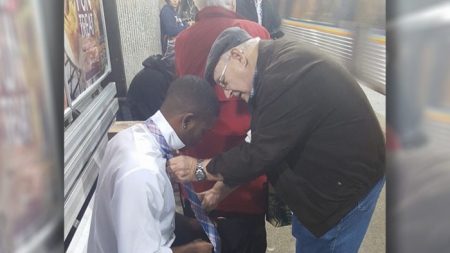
{"x":220,"y":80}
{"x":221,"y":83}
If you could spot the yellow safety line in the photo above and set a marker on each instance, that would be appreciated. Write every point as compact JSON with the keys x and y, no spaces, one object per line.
{"x":334,"y":31}
{"x":378,"y":40}
{"x":438,"y":116}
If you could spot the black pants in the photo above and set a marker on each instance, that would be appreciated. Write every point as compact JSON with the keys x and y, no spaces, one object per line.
{"x":239,"y":233}
{"x":187,"y":229}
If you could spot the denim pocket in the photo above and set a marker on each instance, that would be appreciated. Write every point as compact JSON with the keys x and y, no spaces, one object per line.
{"x":370,"y":200}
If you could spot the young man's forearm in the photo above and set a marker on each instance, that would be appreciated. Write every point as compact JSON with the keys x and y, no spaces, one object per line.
{"x":193,"y":247}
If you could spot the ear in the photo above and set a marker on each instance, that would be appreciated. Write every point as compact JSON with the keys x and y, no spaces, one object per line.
{"x":187,"y":121}
{"x":238,"y":54}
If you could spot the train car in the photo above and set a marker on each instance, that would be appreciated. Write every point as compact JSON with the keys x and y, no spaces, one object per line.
{"x":352,"y":31}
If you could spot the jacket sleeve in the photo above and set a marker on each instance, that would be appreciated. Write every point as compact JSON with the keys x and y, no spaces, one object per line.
{"x":169,"y":23}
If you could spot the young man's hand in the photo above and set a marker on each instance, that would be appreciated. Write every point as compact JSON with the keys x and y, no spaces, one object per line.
{"x":202,"y":247}
{"x":197,"y":246}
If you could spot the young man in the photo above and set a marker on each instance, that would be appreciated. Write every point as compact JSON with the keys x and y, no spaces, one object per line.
{"x":134,"y":208}
{"x":314,"y":134}
{"x":240,"y":216}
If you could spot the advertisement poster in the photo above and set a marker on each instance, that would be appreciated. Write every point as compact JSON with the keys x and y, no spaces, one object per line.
{"x":86,"y":57}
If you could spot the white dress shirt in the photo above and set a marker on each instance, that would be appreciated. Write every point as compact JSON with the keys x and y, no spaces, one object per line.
{"x":134,"y":208}
{"x":258,"y":6}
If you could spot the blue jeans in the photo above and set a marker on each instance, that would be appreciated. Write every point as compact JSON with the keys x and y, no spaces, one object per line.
{"x":346,"y":236}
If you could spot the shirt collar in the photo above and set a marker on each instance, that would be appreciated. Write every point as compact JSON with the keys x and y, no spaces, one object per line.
{"x":167,"y":131}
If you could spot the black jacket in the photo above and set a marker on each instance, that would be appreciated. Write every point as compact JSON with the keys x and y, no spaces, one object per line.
{"x":314,"y":134}
{"x":270,"y":18}
{"x":149,"y":87}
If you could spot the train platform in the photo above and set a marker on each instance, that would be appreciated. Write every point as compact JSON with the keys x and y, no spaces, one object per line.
{"x":279,"y":240}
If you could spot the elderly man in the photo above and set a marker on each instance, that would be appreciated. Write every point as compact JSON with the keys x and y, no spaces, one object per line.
{"x":240,"y":216}
{"x":314,"y":134}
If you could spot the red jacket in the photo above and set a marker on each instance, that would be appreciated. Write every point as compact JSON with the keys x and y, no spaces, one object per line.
{"x":191,"y":50}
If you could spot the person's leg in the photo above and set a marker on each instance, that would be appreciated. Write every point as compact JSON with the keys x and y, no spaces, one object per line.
{"x":243,"y":234}
{"x":346,"y":236}
{"x":309,"y":243}
{"x":187,"y":229}
{"x":257,"y":239}
{"x":353,"y":227}
{"x":239,"y":233}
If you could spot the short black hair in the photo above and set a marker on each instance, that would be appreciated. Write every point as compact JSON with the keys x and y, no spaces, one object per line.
{"x":191,"y":94}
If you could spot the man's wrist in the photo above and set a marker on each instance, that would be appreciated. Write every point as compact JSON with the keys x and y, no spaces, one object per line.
{"x":204,"y":163}
{"x":199,"y":172}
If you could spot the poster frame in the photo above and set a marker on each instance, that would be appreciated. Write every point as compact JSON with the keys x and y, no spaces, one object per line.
{"x":83,"y":100}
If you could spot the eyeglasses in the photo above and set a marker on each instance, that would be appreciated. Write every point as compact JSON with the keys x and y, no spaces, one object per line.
{"x":221,"y":81}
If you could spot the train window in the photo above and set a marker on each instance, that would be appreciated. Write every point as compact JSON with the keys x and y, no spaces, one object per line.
{"x":340,"y":13}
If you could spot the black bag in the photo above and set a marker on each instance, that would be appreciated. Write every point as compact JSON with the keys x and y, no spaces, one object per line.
{"x":278,"y":213}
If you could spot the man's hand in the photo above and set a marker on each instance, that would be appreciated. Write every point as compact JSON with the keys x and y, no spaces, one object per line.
{"x":202,"y":247}
{"x":197,"y":246}
{"x":212,"y":197}
{"x":182,"y":168}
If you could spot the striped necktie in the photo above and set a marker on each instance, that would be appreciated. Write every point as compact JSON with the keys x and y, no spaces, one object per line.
{"x":200,"y":214}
